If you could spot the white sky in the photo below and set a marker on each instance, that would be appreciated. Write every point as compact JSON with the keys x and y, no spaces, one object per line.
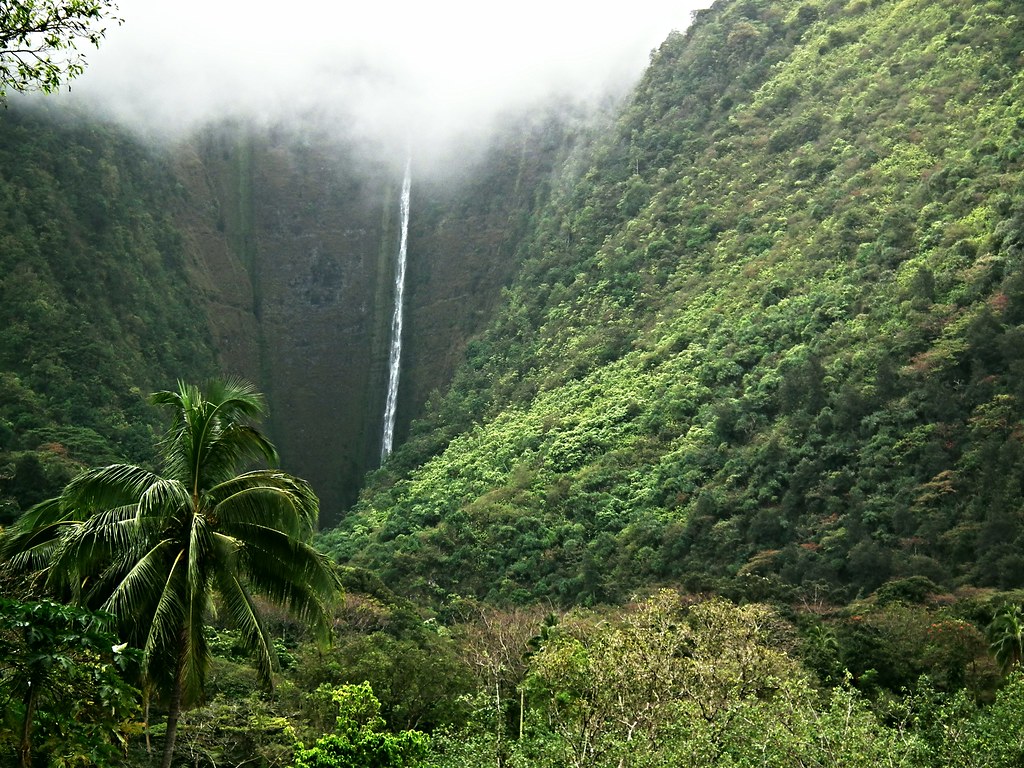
{"x":434,"y":65}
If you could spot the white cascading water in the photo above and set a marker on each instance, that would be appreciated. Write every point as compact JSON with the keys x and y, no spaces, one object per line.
{"x":395,"y":354}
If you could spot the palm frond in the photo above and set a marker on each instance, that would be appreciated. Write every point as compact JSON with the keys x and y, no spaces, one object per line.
{"x":292,"y":574}
{"x":29,"y":544}
{"x":33,"y":560}
{"x":270,"y":498}
{"x":140,"y":588}
{"x":195,"y":657}
{"x":169,"y":398}
{"x":88,"y":547}
{"x":236,"y":397}
{"x":245,"y":443}
{"x":245,"y":616}
{"x":163,"y":498}
{"x":200,"y":546}
{"x":109,"y":530}
{"x":106,"y":487}
{"x":162,"y":651}
{"x":235,"y":446}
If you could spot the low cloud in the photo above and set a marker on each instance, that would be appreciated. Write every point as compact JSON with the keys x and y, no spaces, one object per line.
{"x":424,"y":71}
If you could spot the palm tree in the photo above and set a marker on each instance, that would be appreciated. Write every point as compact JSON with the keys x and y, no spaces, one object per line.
{"x":1006,"y":636}
{"x":155,"y":549}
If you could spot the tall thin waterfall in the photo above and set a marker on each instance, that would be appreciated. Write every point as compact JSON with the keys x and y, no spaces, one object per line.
{"x":395,"y":354}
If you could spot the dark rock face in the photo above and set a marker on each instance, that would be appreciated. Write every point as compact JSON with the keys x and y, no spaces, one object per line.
{"x":465,"y":234}
{"x":292,"y":242}
{"x":294,"y":246}
{"x":215,"y":270}
{"x":322,"y":240}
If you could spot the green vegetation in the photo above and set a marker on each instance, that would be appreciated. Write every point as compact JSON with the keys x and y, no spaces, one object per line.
{"x":63,"y":672}
{"x":1006,"y":634}
{"x":766,"y":334}
{"x":95,"y":303}
{"x":732,"y":478}
{"x":153,"y":550}
{"x":665,"y":680}
{"x":39,"y":41}
{"x":359,"y":739}
{"x":905,"y":677}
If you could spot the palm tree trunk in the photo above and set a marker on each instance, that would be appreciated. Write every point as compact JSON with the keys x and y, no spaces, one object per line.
{"x":172,"y":719}
{"x":145,"y":718}
{"x":25,"y":749}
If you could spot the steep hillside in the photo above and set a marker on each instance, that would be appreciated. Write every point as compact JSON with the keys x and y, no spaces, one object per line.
{"x":95,"y":312}
{"x":260,"y":251}
{"x":768,"y":332}
{"x":293,"y":232}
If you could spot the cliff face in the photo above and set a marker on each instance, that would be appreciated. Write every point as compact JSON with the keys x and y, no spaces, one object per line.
{"x":217,"y":272}
{"x":465,"y":236}
{"x":769,"y":332}
{"x":261,"y":252}
{"x":291,"y":241}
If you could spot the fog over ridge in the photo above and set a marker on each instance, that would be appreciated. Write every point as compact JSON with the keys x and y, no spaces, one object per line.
{"x":388,"y":70}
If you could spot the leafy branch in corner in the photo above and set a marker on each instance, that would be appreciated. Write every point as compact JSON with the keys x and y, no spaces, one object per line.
{"x":39,"y":41}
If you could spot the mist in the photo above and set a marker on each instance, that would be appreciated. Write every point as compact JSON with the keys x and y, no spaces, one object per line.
{"x":423,"y":74}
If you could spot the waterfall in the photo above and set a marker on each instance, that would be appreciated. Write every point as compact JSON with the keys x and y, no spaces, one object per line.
{"x":395,"y":353}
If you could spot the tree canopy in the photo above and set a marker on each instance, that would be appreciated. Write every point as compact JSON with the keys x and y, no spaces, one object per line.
{"x":154,"y":549}
{"x":63,"y":668}
{"x":39,"y":41}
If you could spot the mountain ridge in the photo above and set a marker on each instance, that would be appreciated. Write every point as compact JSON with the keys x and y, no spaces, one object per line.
{"x":757,"y":339}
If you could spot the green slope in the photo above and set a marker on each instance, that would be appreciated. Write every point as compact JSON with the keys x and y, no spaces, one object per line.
{"x":767,"y":331}
{"x":95,"y":311}
{"x":264,"y":251}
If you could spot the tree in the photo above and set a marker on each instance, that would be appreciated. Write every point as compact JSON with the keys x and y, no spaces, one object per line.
{"x":996,"y":735}
{"x":359,"y":740}
{"x":154,"y":549}
{"x":668,"y":684}
{"x":497,"y":644}
{"x":68,"y":662}
{"x":34,"y":32}
{"x":1006,"y":636}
